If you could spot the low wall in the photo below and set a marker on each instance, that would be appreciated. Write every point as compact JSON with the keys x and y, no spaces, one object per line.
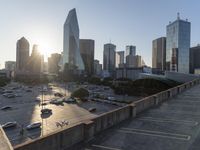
{"x":180,"y":77}
{"x":86,"y":130}
{"x":57,"y":140}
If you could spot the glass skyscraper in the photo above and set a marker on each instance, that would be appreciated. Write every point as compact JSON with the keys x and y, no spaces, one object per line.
{"x":178,"y":45}
{"x":71,"y":51}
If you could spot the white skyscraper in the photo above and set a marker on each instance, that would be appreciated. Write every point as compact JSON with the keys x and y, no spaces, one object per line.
{"x":71,"y":51}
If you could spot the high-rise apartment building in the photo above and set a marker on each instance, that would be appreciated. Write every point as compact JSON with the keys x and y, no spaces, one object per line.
{"x":22,"y":55}
{"x":71,"y":51}
{"x":109,"y":58}
{"x":194,"y":58}
{"x":119,"y":60}
{"x":87,"y":54}
{"x":178,"y":45}
{"x":159,"y":53}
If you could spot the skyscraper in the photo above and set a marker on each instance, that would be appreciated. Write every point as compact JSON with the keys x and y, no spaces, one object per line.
{"x":194,"y":58}
{"x":130,"y":50}
{"x":97,"y":67}
{"x":71,"y":51}
{"x":119,"y":60}
{"x":53,"y":63}
{"x":87,"y":54}
{"x":36,"y":61}
{"x":22,"y":56}
{"x":133,"y":61}
{"x":159,"y":53}
{"x":109,"y":58}
{"x":178,"y":45}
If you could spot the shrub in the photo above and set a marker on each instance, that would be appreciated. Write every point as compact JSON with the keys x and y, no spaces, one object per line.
{"x":80,"y":93}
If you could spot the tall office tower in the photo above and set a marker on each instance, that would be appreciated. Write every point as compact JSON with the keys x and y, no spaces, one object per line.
{"x":109,"y":58}
{"x":87,"y":54}
{"x":71,"y":51}
{"x":133,"y":61}
{"x":36,"y":61}
{"x":53,"y":63}
{"x":194,"y":58}
{"x":159,"y":53}
{"x":97,"y":67}
{"x":22,"y":56}
{"x":10,"y":65}
{"x":119,"y":60}
{"x":178,"y":45}
{"x":130,"y":50}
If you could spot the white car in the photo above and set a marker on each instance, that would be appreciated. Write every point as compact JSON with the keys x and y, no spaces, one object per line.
{"x":92,"y":109}
{"x":9,"y":125}
{"x":34,"y":125}
{"x":6,"y":107}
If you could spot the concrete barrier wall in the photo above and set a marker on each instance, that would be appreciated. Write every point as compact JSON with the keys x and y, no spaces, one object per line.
{"x":86,"y":130}
{"x":109,"y":119}
{"x":56,"y":141}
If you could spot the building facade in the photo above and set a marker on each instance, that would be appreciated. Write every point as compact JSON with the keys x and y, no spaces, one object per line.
{"x":130,"y":50}
{"x":87,"y":54}
{"x":109,"y":58}
{"x":194,"y":58}
{"x":119,"y":59}
{"x":36,"y":61}
{"x":53,"y":63}
{"x":22,"y":55}
{"x":159,"y":53}
{"x":10,"y":65}
{"x":71,"y":51}
{"x":133,"y":61}
{"x":97,"y":68}
{"x":178,"y":45}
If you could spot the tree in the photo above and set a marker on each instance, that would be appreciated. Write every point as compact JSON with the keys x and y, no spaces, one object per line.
{"x":80,"y":93}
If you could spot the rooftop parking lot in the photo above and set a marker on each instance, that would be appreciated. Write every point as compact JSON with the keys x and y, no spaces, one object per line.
{"x":174,"y":125}
{"x":26,"y":109}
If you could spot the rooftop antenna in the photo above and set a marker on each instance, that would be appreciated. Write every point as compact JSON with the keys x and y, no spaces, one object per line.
{"x":178,"y":16}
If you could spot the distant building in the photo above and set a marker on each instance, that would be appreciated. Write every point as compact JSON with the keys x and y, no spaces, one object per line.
{"x":133,"y":61}
{"x":87,"y":54}
{"x":53,"y":63}
{"x":109,"y":58}
{"x":130,"y":50}
{"x":97,"y":68}
{"x":159,"y":53}
{"x":194,"y":58}
{"x":36,"y":61}
{"x":119,"y":59}
{"x":71,"y":51}
{"x":22,"y":55}
{"x":10,"y":65}
{"x":178,"y":45}
{"x":131,"y":73}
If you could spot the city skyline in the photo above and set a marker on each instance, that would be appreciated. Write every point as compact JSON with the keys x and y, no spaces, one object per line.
{"x":45,"y":26}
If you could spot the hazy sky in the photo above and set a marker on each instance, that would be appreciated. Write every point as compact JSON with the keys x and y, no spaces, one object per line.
{"x":124,"y":22}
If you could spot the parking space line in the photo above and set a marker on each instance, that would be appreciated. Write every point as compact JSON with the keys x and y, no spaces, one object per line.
{"x":105,"y":147}
{"x":156,"y":133}
{"x":194,"y":123}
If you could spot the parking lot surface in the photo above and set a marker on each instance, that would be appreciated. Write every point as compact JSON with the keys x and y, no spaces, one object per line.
{"x":26,"y":109}
{"x":174,"y":125}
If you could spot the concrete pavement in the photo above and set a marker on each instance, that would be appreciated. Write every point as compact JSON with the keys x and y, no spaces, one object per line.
{"x":174,"y":125}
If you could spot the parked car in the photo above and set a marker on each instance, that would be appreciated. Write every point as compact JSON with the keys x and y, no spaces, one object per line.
{"x":6,"y":107}
{"x":9,"y":125}
{"x":46,"y":111}
{"x":58,"y":94}
{"x":92,"y":109}
{"x":34,"y":125}
{"x":70,"y":100}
